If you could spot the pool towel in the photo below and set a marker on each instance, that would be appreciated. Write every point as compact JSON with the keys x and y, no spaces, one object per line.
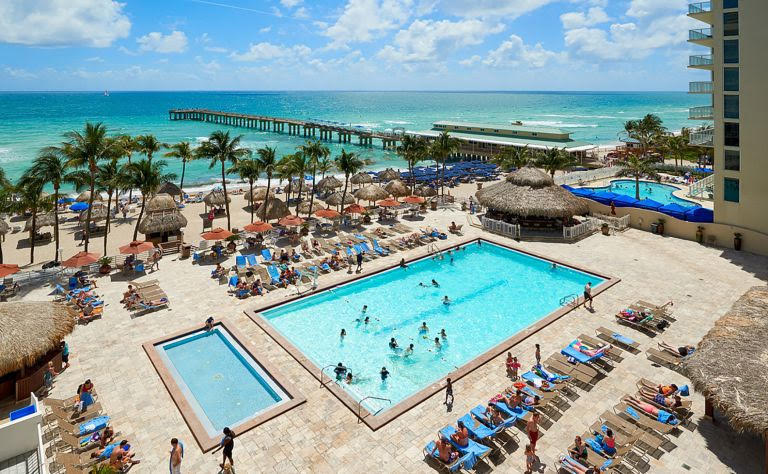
{"x":553,"y":377}
{"x":479,"y":412}
{"x":622,"y":339}
{"x":666,"y":418}
{"x":472,"y":447}
{"x":93,"y":424}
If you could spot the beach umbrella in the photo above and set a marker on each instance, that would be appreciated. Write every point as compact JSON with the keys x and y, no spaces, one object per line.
{"x":259,"y":194}
{"x":65,"y":200}
{"x":335,"y":199}
{"x":413,"y":199}
{"x":699,"y":214}
{"x":80,"y":259}
{"x":160,"y":202}
{"x":361,"y":178}
{"x":169,"y":188}
{"x":426,"y":191}
{"x":388,"y":175}
{"x":8,"y":269}
{"x":649,"y":204}
{"x":258,"y":226}
{"x":625,"y":201}
{"x":354,"y":209}
{"x":397,"y":188}
{"x":675,"y":210}
{"x":85,"y":196}
{"x":327,"y":213}
{"x":291,"y":221}
{"x":136,"y":247}
{"x":217,"y":234}
{"x":328,"y":184}
{"x":371,"y":193}
{"x":79,"y":206}
{"x":389,"y":202}
{"x":275,"y":210}
{"x":41,"y":221}
{"x":305,"y":209}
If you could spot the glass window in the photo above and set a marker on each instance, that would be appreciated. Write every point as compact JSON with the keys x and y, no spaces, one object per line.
{"x":732,"y":162}
{"x":731,"y":134}
{"x":731,"y":189}
{"x":730,"y":3}
{"x":731,"y":51}
{"x":731,"y":24}
{"x":731,"y":79}
{"x":731,"y":106}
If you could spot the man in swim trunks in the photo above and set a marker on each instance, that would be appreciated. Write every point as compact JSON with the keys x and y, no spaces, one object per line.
{"x":588,"y":295}
{"x":339,"y":370}
{"x":392,"y":343}
{"x":384,"y":374}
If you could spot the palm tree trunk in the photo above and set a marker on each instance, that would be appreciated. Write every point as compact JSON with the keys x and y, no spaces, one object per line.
{"x":312,"y":195}
{"x":266,"y":198}
{"x":56,"y":222}
{"x":442,"y":179}
{"x":181,"y":184}
{"x":226,"y":197}
{"x":106,"y":226}
{"x":637,"y":187}
{"x":141,"y":213}
{"x":344,"y":194}
{"x":32,"y":236}
{"x":298,"y":196}
{"x":90,"y":207}
{"x":1,"y":248}
{"x":130,"y":191}
{"x":437,"y":173}
{"x":253,"y":201}
{"x":410,"y":172}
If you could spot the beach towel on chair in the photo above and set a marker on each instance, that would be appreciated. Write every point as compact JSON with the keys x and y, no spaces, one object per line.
{"x":666,"y":418}
{"x":94,"y":424}
{"x":472,"y":447}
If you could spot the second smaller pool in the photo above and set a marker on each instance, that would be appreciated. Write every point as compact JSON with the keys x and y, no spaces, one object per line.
{"x":659,"y":192}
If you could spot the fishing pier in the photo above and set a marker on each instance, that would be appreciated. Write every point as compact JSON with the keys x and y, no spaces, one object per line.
{"x":323,"y":130}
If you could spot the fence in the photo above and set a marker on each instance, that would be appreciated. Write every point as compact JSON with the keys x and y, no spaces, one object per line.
{"x":580,"y":177}
{"x":586,"y":227}
{"x":501,"y":227}
{"x":614,"y":222}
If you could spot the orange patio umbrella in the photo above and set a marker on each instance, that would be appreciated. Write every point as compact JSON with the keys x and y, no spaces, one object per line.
{"x":258,"y":226}
{"x":389,"y":202}
{"x":80,"y":259}
{"x":8,"y":269}
{"x":413,"y":199}
{"x":327,"y":213}
{"x":354,"y":209}
{"x":136,"y":247}
{"x":217,"y":234}
{"x":291,"y":221}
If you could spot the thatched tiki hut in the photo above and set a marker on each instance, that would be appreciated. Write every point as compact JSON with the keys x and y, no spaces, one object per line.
{"x":259,"y":194}
{"x":729,"y":365}
{"x":98,"y":213}
{"x":328,"y":184}
{"x":361,"y":178}
{"x":276,"y":210}
{"x":216,"y":199}
{"x":397,"y":188}
{"x":529,"y":197}
{"x":30,"y":337}
{"x":162,"y":220}
{"x":170,"y":189}
{"x":371,"y":193}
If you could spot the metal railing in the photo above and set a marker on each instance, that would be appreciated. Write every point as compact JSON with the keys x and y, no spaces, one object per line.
{"x":570,"y":300}
{"x":581,"y":177}
{"x":700,"y":60}
{"x":322,"y":372}
{"x":360,"y":406}
{"x":586,"y":227}
{"x":704,"y":112}
{"x":618,"y":223}
{"x":701,"y":87}
{"x":700,"y":34}
{"x":699,"y":7}
{"x":501,"y":227}
{"x":703,"y":187}
{"x":702,"y":138}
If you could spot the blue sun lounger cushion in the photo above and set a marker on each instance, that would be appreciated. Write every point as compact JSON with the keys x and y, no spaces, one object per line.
{"x":94,"y":424}
{"x":251,"y":259}
{"x":667,"y":418}
{"x":472,"y":447}
{"x":479,"y":412}
{"x":240,"y":261}
{"x":622,"y":339}
{"x":518,"y":412}
{"x":266,"y":255}
{"x":273,"y":274}
{"x":549,"y":376}
{"x":578,"y":355}
{"x":476,"y":429}
{"x":431,"y":451}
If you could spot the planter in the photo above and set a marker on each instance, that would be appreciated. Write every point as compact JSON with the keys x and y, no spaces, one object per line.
{"x":737,"y":241}
{"x":606,"y":230}
{"x":433,"y":204}
{"x":700,"y":235}
{"x":105,"y":269}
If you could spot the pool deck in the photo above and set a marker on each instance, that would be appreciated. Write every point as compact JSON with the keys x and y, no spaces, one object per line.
{"x":323,"y":435}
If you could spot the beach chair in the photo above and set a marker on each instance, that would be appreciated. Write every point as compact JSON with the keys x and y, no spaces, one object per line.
{"x":252,"y":260}
{"x":519,"y":413}
{"x":641,"y":418}
{"x":613,"y":353}
{"x":657,"y":314}
{"x":478,"y":450}
{"x":479,"y":414}
{"x":682,"y":412}
{"x":665,"y":308}
{"x":617,"y":338}
{"x":72,"y":416}
{"x":645,"y":324}
{"x":79,"y":444}
{"x":74,"y":462}
{"x":240,"y":262}
{"x":579,"y":356}
{"x":430,"y":452}
{"x":266,"y":255}
{"x":232,"y":284}
{"x":477,"y":430}
{"x":85,"y":427}
{"x":649,"y":441}
{"x":379,"y":249}
{"x":581,"y":372}
{"x":663,"y":358}
{"x":274,"y":275}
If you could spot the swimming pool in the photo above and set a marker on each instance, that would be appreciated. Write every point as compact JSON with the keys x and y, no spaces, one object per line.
{"x":217,"y":382}
{"x":495,"y":293}
{"x":659,"y":192}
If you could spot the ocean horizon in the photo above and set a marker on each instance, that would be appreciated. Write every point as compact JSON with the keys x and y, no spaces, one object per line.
{"x":33,"y":120}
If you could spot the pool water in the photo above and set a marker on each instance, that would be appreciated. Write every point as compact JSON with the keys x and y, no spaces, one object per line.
{"x":648,"y":190}
{"x":224,"y":385}
{"x":494,"y":293}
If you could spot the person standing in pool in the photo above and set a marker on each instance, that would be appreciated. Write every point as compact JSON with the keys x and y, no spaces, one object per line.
{"x":227,"y":444}
{"x":435,"y":283}
{"x":437,"y":343}
{"x":392,"y":343}
{"x":408,"y":351}
{"x":446,"y":301}
{"x":443,"y":334}
{"x":343,"y":333}
{"x":423,"y":329}
{"x":340,"y":370}
{"x":384,"y":374}
{"x":402,"y":263}
{"x":588,"y":295}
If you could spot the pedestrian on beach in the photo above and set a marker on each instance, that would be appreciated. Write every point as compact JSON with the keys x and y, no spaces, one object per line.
{"x":538,"y":355}
{"x":532,"y":428}
{"x":64,"y":354}
{"x":448,"y":392}
{"x":177,"y":453}
{"x":227,"y":444}
{"x":588,"y":295}
{"x":530,"y":459}
{"x":359,"y":262}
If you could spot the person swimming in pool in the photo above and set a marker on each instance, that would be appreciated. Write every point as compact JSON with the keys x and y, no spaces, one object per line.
{"x":367,"y":320}
{"x":340,"y":370}
{"x":437,"y":343}
{"x":446,"y":300}
{"x":423,"y":329}
{"x":349,"y":377}
{"x":443,"y":334}
{"x":384,"y":373}
{"x":435,"y":283}
{"x":392,"y":343}
{"x":343,"y":333}
{"x":408,"y":351}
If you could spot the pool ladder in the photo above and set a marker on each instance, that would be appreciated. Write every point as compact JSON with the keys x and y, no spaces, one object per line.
{"x":360,"y":406}
{"x":570,"y":300}
{"x":432,"y":248}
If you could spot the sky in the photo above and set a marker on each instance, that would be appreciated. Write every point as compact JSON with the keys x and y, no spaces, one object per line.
{"x":345,"y":45}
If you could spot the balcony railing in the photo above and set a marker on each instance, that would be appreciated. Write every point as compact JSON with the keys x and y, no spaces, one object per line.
{"x":700,"y":60}
{"x":700,"y":34}
{"x":702,"y":138}
{"x":699,"y":7}
{"x":700,"y":87}
{"x":705,"y":112}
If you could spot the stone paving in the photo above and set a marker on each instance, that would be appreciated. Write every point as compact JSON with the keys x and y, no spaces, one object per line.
{"x":323,"y":435}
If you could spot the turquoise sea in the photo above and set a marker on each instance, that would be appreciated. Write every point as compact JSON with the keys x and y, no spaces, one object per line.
{"x":30,"y":121}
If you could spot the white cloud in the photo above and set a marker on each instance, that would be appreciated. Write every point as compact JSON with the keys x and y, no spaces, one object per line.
{"x":176,"y":42}
{"x":495,"y":9}
{"x":290,"y":3}
{"x":644,"y":8}
{"x":514,"y":52}
{"x":211,"y":67}
{"x":216,"y":49}
{"x":18,"y":73}
{"x":594,"y":16}
{"x":427,"y":40}
{"x":96,"y":23}
{"x":127,"y":51}
{"x":95,"y":59}
{"x":266,"y":29}
{"x":301,"y":13}
{"x":267,"y":51}
{"x":366,"y":20}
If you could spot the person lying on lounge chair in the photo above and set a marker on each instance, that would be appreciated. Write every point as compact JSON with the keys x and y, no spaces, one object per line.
{"x":636,"y":317}
{"x":579,"y":449}
{"x":218,"y":272}
{"x":672,"y":401}
{"x":257,"y":288}
{"x":131,"y":291}
{"x":667,"y":390}
{"x":461,"y":436}
{"x":648,"y":408}
{"x":575,"y":466}
{"x":682,"y":351}
{"x":122,"y":457}
{"x":445,"y":450}
{"x":585,"y":349}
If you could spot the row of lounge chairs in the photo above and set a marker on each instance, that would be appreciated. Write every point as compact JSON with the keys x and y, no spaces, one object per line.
{"x":150,"y":296}
{"x":647,"y":317}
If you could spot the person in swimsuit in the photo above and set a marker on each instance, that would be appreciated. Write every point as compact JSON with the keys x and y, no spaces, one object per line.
{"x":408,"y":351}
{"x":437,"y":343}
{"x":443,"y":334}
{"x":446,"y":301}
{"x":209,"y":323}
{"x":448,"y":392}
{"x":349,"y":378}
{"x":339,"y":370}
{"x":532,"y":427}
{"x":177,"y":453}
{"x":343,"y":333}
{"x":446,"y":452}
{"x":588,"y":295}
{"x":435,"y":283}
{"x":384,"y":374}
{"x":461,"y":436}
{"x":227,"y":444}
{"x":392,"y":343}
{"x":530,"y":458}
{"x":579,"y":450}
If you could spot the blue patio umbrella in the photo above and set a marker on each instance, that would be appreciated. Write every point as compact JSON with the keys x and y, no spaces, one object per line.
{"x":79,"y":206}
{"x":66,"y":200}
{"x":700,"y":214}
{"x":625,"y":201}
{"x":604,"y":197}
{"x":674,"y":210}
{"x":649,"y":204}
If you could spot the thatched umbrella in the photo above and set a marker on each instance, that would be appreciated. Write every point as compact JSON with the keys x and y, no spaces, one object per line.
{"x":327,"y":184}
{"x":426,"y":191}
{"x":305,"y":209}
{"x":361,"y":178}
{"x":169,"y":188}
{"x":529,"y":192}
{"x":98,"y":213}
{"x":373,"y":192}
{"x":216,"y":198}
{"x":160,"y":202}
{"x":41,"y":220}
{"x":397,"y":188}
{"x":31,"y":329}
{"x":4,"y":227}
{"x":260,"y":194}
{"x":162,"y":221}
{"x":275,"y":210}
{"x":728,"y":366}
{"x":388,"y":175}
{"x":85,"y":196}
{"x":335,"y":199}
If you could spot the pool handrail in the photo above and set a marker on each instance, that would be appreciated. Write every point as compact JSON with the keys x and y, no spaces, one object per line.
{"x":322,"y":372}
{"x":360,"y":405}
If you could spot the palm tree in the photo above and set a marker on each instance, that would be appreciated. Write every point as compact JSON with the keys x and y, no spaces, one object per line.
{"x":349,"y":164}
{"x":555,"y":159}
{"x":147,"y":177}
{"x":646,"y":131}
{"x":127,"y":146}
{"x":248,"y":170}
{"x":292,"y":165}
{"x":677,"y":147}
{"x":636,"y":167}
{"x":314,"y":151}
{"x":324,"y":165}
{"x":267,"y":164}
{"x":6,"y":200}
{"x":413,"y":149}
{"x":444,"y":146}
{"x":221,"y":149}
{"x":30,"y":197}
{"x":185,"y":153}
{"x":50,"y":166}
{"x":148,"y":145}
{"x":111,"y":178}
{"x":84,"y":150}
{"x":513,"y":157}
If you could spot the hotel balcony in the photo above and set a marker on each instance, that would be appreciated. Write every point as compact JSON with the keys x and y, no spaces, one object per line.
{"x":701,"y":61}
{"x":705,"y":138}
{"x":704,"y":112}
{"x":701,"y":36}
{"x":701,"y":87}
{"x":702,"y":11}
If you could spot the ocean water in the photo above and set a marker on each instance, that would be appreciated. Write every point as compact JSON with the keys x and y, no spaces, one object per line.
{"x":30,"y":121}
{"x":487,"y":307}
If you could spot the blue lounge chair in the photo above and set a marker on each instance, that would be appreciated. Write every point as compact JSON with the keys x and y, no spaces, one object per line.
{"x":379,"y":249}
{"x":479,"y":450}
{"x":364,"y":247}
{"x":252,"y":261}
{"x":326,"y":268}
{"x":580,"y":356}
{"x":517,"y":412}
{"x":274,"y":274}
{"x":536,"y":381}
{"x":549,"y":376}
{"x":476,"y":429}
{"x":196,"y":257}
{"x":233,"y":281}
{"x":139,"y":268}
{"x":479,"y":413}
{"x":240,"y":262}
{"x":94,"y":424}
{"x":266,"y":255}
{"x":73,"y":283}
{"x":430,"y":452}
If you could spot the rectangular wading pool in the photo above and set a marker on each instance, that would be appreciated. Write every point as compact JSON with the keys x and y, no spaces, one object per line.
{"x":216,"y":381}
{"x":498,"y":296}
